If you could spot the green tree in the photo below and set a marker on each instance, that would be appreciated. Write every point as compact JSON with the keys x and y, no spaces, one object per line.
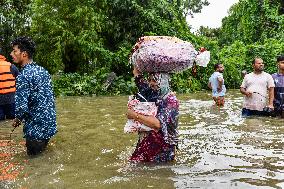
{"x":212,"y":33}
{"x":253,"y":21}
{"x":188,"y":7}
{"x":129,"y":20}
{"x":67,"y":34}
{"x":82,"y":36}
{"x":14,"y":21}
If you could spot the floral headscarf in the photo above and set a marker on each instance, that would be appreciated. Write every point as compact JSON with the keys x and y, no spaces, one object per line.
{"x":163,"y":82}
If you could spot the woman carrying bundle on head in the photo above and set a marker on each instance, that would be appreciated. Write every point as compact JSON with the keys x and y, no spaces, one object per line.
{"x":158,"y":56}
{"x":159,"y":143}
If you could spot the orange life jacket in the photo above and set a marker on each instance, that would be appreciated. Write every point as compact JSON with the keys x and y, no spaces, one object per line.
{"x":7,"y":80}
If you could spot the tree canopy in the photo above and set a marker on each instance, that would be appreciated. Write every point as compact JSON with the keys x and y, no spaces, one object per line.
{"x":14,"y":21}
{"x":253,"y":21}
{"x":86,"y":35}
{"x":95,"y":37}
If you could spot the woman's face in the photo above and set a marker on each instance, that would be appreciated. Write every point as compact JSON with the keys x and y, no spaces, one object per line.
{"x":153,"y":83}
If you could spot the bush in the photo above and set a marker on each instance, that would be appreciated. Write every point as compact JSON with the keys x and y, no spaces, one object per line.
{"x":74,"y":84}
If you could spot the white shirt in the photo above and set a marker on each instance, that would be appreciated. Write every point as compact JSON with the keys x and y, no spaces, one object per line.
{"x":257,"y":84}
{"x":215,"y":83}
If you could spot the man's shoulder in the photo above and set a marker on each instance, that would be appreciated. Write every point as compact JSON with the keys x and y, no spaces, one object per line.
{"x":267,"y":75}
{"x":33,"y":70}
{"x":34,"y":67}
{"x":14,"y":67}
{"x":277,"y":75}
{"x":219,"y":74}
{"x":216,"y":74}
{"x":250,"y":74}
{"x":274,"y":75}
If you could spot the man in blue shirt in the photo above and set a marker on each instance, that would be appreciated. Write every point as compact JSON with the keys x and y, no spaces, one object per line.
{"x":216,"y":83}
{"x":34,"y":99}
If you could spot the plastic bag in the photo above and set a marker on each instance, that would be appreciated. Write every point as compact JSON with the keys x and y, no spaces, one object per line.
{"x":144,"y":108}
{"x":203,"y":58}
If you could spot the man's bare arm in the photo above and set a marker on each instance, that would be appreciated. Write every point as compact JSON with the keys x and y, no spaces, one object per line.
{"x":270,"y":97}
{"x":245,"y":92}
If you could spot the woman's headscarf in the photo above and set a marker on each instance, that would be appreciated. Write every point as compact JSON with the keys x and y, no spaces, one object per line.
{"x":162,"y":80}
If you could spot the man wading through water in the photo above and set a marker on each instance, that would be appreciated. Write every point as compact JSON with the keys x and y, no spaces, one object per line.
{"x":279,"y":87}
{"x":34,"y":99}
{"x":216,"y":84}
{"x":255,"y":86}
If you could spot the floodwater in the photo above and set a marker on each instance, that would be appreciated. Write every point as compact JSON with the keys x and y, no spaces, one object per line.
{"x":218,"y":149}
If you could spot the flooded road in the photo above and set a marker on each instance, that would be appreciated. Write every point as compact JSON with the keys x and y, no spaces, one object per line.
{"x":217,"y":149}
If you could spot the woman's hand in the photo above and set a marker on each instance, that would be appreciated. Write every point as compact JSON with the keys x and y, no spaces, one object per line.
{"x":149,"y":121}
{"x":130,"y":114}
{"x":136,"y":72}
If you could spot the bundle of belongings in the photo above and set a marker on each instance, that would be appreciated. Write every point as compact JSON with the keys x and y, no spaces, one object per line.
{"x":166,"y":54}
{"x":152,"y":54}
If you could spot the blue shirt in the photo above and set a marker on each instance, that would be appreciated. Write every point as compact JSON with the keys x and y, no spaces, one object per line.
{"x":35,"y":102}
{"x":214,"y":83}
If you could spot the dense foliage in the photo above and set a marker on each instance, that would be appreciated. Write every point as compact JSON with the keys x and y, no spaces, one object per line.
{"x":83,"y":36}
{"x":14,"y":21}
{"x":81,"y":41}
{"x":253,"y":21}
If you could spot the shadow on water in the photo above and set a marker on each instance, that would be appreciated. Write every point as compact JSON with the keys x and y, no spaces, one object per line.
{"x":218,"y":149}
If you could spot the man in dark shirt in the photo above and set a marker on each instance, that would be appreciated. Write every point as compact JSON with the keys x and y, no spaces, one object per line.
{"x":279,"y":87}
{"x":8,"y":74}
{"x":34,"y":100}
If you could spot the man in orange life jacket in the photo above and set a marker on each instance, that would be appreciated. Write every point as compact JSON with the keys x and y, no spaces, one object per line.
{"x":8,"y":74}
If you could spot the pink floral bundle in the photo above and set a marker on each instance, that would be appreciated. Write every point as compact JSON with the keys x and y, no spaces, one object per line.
{"x":166,"y":54}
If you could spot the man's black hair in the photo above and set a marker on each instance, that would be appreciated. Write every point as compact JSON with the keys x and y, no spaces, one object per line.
{"x":216,"y":66}
{"x":280,"y":58}
{"x":25,"y":44}
{"x":253,"y":61}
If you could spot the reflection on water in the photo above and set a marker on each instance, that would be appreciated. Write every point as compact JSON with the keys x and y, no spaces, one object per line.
{"x":9,"y":169}
{"x":218,"y":149}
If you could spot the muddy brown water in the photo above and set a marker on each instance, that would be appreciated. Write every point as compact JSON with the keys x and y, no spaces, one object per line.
{"x":217,"y":149}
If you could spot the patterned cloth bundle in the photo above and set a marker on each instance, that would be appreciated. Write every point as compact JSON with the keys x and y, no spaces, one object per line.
{"x":166,"y":54}
{"x":144,"y":108}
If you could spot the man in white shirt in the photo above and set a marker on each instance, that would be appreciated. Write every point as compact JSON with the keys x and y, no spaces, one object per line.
{"x":255,"y":86}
